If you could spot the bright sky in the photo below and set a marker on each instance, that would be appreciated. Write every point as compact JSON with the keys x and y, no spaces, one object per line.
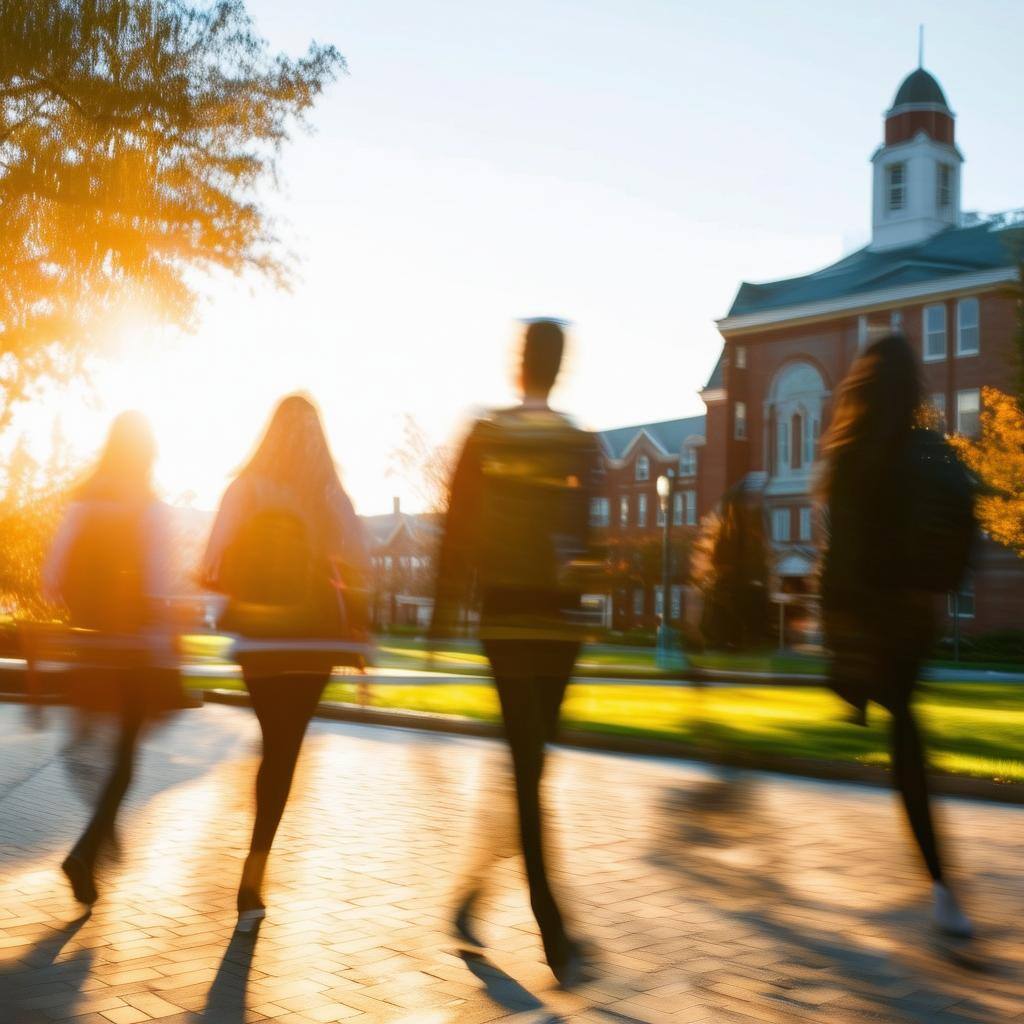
{"x":622,"y":164}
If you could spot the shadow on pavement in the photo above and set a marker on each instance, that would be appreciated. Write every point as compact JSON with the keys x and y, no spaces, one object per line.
{"x":23,"y":984}
{"x":226,"y":1002}
{"x":504,"y":990}
{"x":725,"y":846}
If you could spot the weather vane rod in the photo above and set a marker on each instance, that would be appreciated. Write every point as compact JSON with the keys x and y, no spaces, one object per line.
{"x":920,"y":46}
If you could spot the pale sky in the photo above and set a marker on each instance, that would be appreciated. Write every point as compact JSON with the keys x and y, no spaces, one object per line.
{"x":620,"y":164}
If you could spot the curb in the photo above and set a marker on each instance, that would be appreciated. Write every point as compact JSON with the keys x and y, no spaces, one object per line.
{"x":831,"y":771}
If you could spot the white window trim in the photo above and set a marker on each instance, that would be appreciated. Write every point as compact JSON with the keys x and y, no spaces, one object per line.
{"x":960,"y":353}
{"x":925,"y":357}
{"x":782,"y":517}
{"x":977,"y":412}
{"x":690,"y":507}
{"x":889,"y":187}
{"x":740,"y":421}
{"x":642,"y":470}
{"x":641,"y":510}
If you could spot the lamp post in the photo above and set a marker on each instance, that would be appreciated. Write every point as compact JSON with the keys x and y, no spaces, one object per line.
{"x":666,"y":487}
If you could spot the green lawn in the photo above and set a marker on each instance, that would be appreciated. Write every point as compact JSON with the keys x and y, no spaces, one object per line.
{"x":973,"y":729}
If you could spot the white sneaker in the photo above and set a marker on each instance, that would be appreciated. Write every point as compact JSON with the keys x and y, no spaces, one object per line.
{"x":949,"y":918}
{"x":249,"y":920}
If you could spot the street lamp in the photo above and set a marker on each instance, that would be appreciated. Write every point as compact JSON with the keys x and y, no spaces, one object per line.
{"x":665,"y":655}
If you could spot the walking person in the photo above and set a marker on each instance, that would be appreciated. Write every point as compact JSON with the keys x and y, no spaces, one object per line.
{"x":108,"y":567}
{"x":288,"y":551}
{"x":517,"y":537}
{"x":900,"y":522}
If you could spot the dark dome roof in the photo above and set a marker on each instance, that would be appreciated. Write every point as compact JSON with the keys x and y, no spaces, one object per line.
{"x":920,"y":87}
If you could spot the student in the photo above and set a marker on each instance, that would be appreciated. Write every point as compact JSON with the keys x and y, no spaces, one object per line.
{"x":288,"y":551}
{"x":517,"y":532}
{"x":108,"y":567}
{"x":877,"y":610}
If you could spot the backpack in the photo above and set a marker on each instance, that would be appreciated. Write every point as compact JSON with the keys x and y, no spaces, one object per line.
{"x":941,"y":526}
{"x":533,"y":524}
{"x":104,"y":578}
{"x":276,"y":584}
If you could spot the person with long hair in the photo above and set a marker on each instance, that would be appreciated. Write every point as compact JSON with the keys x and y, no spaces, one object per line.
{"x":108,"y":566}
{"x":288,"y":551}
{"x":878,"y":625}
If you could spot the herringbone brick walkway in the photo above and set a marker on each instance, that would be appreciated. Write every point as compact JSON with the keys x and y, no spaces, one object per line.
{"x":748,"y":899}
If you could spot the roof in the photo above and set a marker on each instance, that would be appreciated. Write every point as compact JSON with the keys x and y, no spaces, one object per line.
{"x":668,"y":434}
{"x":381,"y":529}
{"x":717,"y":378}
{"x":954,"y":251}
{"x":920,"y":87}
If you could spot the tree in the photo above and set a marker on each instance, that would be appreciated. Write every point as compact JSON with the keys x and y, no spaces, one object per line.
{"x":135,"y":136}
{"x":996,"y":457}
{"x":427,"y":468}
{"x":730,"y":567}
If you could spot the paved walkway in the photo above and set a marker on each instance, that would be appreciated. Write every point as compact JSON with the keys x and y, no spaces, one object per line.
{"x":762,"y":899}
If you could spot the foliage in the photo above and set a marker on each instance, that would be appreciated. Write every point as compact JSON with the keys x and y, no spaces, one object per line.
{"x":996,"y":457}
{"x":135,"y":136}
{"x":30,"y":509}
{"x":730,"y":568}
{"x":425,"y":467}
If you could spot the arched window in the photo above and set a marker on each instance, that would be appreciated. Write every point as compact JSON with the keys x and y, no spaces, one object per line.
{"x":797,"y":399}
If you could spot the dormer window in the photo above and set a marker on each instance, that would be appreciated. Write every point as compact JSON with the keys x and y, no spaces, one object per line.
{"x":643,"y":468}
{"x":688,"y":461}
{"x":896,"y":186}
{"x":944,"y":195}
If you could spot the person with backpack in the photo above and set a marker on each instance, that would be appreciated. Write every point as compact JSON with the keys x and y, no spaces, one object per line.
{"x":900,"y":522}
{"x":517,"y":544}
{"x":288,"y":552}
{"x":109,"y":568}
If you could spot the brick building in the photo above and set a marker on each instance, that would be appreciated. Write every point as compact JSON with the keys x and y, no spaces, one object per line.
{"x":948,"y":280}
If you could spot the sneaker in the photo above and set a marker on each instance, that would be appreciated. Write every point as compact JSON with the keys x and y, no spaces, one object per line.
{"x":949,"y":918}
{"x":251,"y":911}
{"x":80,"y":875}
{"x":574,"y":968}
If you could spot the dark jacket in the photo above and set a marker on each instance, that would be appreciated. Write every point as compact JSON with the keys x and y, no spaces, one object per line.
{"x":517,"y":539}
{"x":877,"y":629}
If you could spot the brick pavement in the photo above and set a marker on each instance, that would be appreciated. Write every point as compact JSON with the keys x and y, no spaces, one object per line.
{"x":751,"y":899}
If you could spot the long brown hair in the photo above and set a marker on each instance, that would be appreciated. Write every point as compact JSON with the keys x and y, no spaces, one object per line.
{"x":124,"y":470}
{"x":294,"y":454}
{"x":876,"y":408}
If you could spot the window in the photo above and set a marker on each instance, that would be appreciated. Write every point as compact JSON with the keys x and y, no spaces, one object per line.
{"x":933,"y":327}
{"x":675,"y":610}
{"x":780,"y":524}
{"x":938,"y":403}
{"x":805,"y":522}
{"x":641,"y":510}
{"x":624,"y":511}
{"x":782,"y":442}
{"x":598,"y":511}
{"x":659,"y":516}
{"x":968,"y":412}
{"x":797,"y":436}
{"x":740,"y":352}
{"x":643,"y":468}
{"x":862,"y":331}
{"x":688,"y":461}
{"x":659,"y":601}
{"x":638,"y":602}
{"x":944,"y":191}
{"x":690,"y":505}
{"x":740,"y":421}
{"x":895,"y":320}
{"x":968,"y":341}
{"x":961,"y":605}
{"x":896,"y":191}
{"x":677,"y":508}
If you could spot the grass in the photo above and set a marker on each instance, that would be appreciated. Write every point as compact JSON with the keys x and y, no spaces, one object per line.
{"x":972,"y":729}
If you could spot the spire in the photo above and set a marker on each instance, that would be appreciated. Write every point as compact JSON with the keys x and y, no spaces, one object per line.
{"x":920,"y":46}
